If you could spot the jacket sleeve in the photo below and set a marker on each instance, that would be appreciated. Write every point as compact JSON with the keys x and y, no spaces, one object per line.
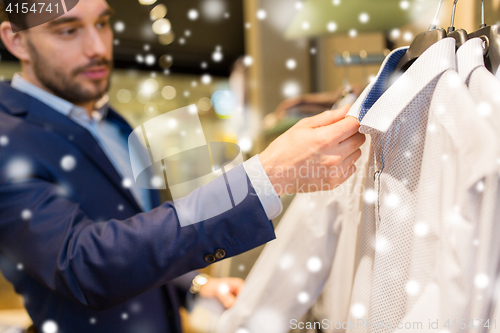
{"x":102,"y":264}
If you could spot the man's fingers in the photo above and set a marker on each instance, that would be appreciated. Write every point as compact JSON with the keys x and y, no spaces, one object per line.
{"x":350,"y":145}
{"x":236,"y":285}
{"x":351,"y":159}
{"x":325,"y":118}
{"x":347,"y":167}
{"x":349,"y":172}
{"x":341,"y":130}
{"x":227,"y":300}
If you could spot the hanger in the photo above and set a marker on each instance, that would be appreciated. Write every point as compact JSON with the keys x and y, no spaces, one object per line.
{"x":460,"y":35}
{"x":491,"y":42}
{"x":346,"y":84}
{"x":421,"y":43}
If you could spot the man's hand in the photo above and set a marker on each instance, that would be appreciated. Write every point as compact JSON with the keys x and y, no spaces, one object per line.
{"x":317,"y":154}
{"x":224,"y":289}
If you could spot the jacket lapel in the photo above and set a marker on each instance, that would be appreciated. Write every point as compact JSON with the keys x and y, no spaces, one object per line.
{"x":18,"y":103}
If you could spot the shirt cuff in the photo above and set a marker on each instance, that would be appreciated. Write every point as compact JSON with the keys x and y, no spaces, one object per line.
{"x":263,"y":187}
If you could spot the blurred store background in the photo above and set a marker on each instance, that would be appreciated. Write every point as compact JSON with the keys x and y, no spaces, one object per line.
{"x":237,"y":61}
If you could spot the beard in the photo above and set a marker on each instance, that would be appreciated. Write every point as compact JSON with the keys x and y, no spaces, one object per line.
{"x":66,"y":86}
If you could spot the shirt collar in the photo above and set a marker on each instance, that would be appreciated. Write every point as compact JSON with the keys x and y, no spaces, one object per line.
{"x":381,"y":82}
{"x":469,"y":57}
{"x":60,"y":105}
{"x":385,"y":107}
{"x":470,"y":63}
{"x":380,"y":79}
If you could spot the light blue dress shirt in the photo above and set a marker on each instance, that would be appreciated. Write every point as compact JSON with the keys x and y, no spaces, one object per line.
{"x":115,"y":146}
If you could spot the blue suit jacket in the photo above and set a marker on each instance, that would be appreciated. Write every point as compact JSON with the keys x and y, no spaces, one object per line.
{"x":78,"y":259}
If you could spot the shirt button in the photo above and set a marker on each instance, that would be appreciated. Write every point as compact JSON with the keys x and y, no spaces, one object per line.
{"x":220,"y":254}
{"x":209,"y":258}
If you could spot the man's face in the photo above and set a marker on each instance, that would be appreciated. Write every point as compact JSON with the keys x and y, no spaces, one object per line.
{"x":72,"y":56}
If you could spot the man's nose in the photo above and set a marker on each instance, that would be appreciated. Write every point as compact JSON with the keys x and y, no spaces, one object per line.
{"x":94,"y":44}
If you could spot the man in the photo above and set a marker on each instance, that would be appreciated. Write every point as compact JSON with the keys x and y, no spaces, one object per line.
{"x":84,"y":248}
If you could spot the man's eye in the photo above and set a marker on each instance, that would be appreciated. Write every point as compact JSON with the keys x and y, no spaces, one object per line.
{"x":67,"y":32}
{"x":101,"y":25}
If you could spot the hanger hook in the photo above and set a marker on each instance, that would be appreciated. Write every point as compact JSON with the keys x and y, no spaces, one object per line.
{"x":482,"y":14}
{"x":434,"y":22}
{"x":452,"y":24}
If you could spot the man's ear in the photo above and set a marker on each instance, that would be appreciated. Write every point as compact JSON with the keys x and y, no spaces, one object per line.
{"x":15,"y":42}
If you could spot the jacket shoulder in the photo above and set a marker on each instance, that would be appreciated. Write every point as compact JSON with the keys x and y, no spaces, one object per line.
{"x":10,"y":124}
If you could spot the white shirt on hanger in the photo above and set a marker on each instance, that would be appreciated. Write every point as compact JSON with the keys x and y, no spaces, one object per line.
{"x":427,"y":107}
{"x":484,"y":88}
